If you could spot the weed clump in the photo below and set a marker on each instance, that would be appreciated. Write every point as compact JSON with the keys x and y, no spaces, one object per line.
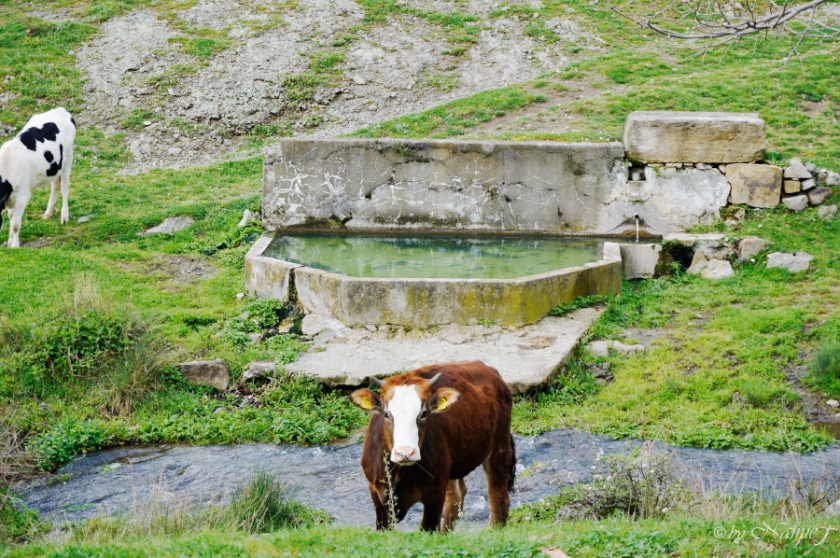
{"x":267,"y":504}
{"x":824,"y":370}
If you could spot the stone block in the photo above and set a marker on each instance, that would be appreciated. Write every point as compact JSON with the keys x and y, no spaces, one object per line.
{"x":792,"y":186}
{"x":639,"y":261}
{"x":750,"y":246}
{"x":795,"y":262}
{"x":796,"y":203}
{"x":716,"y":270}
{"x":797,"y":170}
{"x":213,"y":373}
{"x":694,"y":137}
{"x":755,"y":185}
{"x":827,"y":212}
{"x":818,"y":195}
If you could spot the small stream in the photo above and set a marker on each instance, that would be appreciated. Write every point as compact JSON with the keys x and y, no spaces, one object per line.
{"x":329,"y":477}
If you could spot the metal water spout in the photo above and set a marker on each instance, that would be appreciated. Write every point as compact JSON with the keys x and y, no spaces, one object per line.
{"x":637,"y":229}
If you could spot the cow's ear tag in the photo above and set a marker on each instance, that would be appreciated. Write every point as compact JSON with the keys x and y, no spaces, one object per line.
{"x":366,"y":400}
{"x":443,"y":399}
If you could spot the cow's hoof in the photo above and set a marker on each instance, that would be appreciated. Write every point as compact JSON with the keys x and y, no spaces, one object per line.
{"x":65,"y":220}
{"x":47,"y":215}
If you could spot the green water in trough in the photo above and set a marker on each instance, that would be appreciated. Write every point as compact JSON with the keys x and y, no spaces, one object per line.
{"x":430,"y":257}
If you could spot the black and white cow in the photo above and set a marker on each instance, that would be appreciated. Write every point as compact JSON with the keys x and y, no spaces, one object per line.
{"x":42,"y":152}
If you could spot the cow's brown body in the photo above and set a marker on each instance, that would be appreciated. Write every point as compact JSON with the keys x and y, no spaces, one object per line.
{"x":474,"y":431}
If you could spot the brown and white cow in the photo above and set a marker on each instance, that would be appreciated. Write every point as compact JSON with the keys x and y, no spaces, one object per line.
{"x":429,"y":428}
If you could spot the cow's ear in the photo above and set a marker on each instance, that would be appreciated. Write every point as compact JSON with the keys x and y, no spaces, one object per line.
{"x":366,"y":400}
{"x":443,"y":399}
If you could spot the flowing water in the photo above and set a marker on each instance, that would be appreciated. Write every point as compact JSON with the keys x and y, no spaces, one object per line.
{"x":329,"y":477}
{"x":426,"y":257}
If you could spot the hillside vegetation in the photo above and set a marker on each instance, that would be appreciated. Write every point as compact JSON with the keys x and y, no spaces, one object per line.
{"x":92,"y":316}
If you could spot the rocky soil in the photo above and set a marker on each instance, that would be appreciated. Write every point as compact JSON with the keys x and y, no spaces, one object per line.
{"x":185,"y":106}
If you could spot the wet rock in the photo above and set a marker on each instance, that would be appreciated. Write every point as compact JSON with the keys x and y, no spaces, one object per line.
{"x":259,"y":369}
{"x":818,"y":195}
{"x":170,"y":225}
{"x":827,"y":212}
{"x":717,"y":269}
{"x":213,"y":373}
{"x":603,"y":347}
{"x":796,"y":203}
{"x":795,"y":262}
{"x":750,"y":246}
{"x":755,"y":185}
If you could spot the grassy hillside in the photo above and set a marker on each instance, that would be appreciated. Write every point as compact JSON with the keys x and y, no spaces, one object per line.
{"x":91,"y":319}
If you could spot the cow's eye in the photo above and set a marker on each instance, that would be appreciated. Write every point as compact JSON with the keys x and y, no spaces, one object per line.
{"x":387,"y":415}
{"x":423,"y":414}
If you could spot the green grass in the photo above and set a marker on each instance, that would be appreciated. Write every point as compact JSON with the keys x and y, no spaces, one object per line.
{"x":613,"y":538}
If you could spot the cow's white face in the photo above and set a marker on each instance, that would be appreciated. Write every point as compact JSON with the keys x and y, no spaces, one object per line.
{"x":405,"y":409}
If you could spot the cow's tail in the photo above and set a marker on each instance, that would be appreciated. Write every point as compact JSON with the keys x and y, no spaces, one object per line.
{"x":512,"y":480}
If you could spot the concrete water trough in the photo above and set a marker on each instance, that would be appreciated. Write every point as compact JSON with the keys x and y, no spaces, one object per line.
{"x":426,"y":301}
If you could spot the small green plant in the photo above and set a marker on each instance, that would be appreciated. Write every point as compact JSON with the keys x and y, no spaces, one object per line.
{"x":267,"y":504}
{"x":325,"y":62}
{"x":136,"y":119}
{"x":302,"y":87}
{"x":60,"y":444}
{"x":824,"y":369}
{"x":486,"y":322}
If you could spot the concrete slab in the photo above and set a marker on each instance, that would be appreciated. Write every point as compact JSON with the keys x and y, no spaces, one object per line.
{"x":526,"y":357}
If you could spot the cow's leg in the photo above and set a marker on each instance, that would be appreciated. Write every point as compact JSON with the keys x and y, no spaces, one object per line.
{"x":56,"y":183}
{"x":498,"y":469}
{"x":383,"y":518}
{"x":456,"y":490}
{"x":433,"y":510}
{"x":16,"y":217}
{"x":65,"y":185}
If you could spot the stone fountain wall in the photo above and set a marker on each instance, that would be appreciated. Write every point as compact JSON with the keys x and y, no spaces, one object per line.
{"x":671,"y":171}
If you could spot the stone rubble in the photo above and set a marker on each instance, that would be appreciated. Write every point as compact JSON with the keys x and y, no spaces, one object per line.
{"x":602,"y":348}
{"x":170,"y":225}
{"x":716,"y":270}
{"x":213,"y":373}
{"x":827,"y":212}
{"x":794,"y":263}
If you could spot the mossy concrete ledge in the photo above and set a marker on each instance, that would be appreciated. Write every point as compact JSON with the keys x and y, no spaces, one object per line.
{"x":358,"y":301}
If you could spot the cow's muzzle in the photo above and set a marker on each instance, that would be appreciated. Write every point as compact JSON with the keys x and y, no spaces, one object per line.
{"x":405,"y":455}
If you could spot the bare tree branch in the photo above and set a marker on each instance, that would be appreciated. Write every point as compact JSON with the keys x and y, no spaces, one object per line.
{"x":713,"y":20}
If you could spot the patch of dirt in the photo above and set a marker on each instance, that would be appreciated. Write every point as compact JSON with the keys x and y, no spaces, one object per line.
{"x":39,"y":243}
{"x":203,"y":109}
{"x":174,"y":271}
{"x":813,"y":404}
